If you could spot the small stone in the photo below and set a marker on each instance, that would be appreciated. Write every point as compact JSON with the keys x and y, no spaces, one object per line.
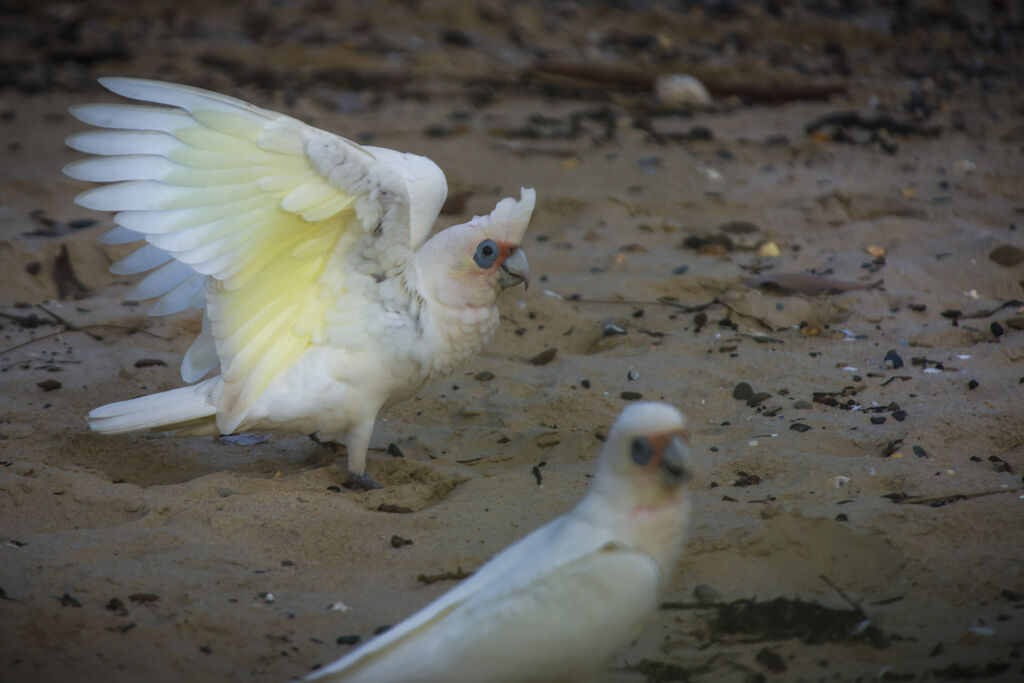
{"x":631,"y":395}
{"x":892,"y":359}
{"x":679,"y":270}
{"x":397,"y":541}
{"x":206,"y":649}
{"x":997,"y":329}
{"x":706,"y":594}
{"x":484,"y":376}
{"x":742,"y":391}
{"x":1015,"y":323}
{"x":899,"y":415}
{"x":68,"y":600}
{"x":49,"y":385}
{"x":756,"y":399}
{"x":613,"y":330}
{"x":800,"y":427}
{"x":769,"y":250}
{"x":681,"y":90}
{"x":920,"y":452}
{"x":1006,"y":255}
{"x":632,"y":375}
{"x":585,"y":384}
{"x":972,"y":385}
{"x":838,"y":482}
{"x":878,"y":419}
{"x":224,"y":491}
{"x":394,"y":451}
{"x":349,"y":640}
{"x":544,"y":357}
{"x":148,"y":362}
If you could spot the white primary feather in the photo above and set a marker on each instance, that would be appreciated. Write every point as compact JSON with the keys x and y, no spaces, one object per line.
{"x":559,"y":604}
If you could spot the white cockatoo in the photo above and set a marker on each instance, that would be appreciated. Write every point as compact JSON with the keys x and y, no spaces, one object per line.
{"x":323,"y":300}
{"x":560,"y":604}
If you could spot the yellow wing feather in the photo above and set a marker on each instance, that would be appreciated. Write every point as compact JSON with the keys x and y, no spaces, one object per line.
{"x":243,"y":203}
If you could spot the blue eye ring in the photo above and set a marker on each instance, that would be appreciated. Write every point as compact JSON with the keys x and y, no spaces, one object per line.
{"x":487,"y":253}
{"x":640,"y":450}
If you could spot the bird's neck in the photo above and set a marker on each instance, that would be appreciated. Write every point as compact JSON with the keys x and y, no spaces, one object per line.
{"x":450,"y":334}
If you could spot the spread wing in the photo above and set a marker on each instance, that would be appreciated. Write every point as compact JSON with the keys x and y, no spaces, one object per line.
{"x":583,"y":611}
{"x":266,"y":222}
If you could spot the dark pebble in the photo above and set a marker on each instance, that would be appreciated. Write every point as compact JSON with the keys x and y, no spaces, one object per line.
{"x":997,"y":329}
{"x":892,"y":359}
{"x":585,"y":384}
{"x":899,"y":415}
{"x":841,"y":517}
{"x":484,"y":376}
{"x":206,"y":649}
{"x":756,"y":399}
{"x":917,"y":307}
{"x":613,"y":330}
{"x":397,"y":541}
{"x":679,"y":270}
{"x":973,"y":384}
{"x":349,"y":640}
{"x":115,"y":605}
{"x":49,"y":385}
{"x":33,"y":268}
{"x":68,"y":600}
{"x":544,"y":357}
{"x":920,"y":452}
{"x":877,"y":419}
{"x":336,"y":489}
{"x":631,"y":395}
{"x":1006,"y":255}
{"x":394,"y":451}
{"x":700,"y":320}
{"x":800,"y":427}
{"x":742,"y":391}
{"x":147,"y":362}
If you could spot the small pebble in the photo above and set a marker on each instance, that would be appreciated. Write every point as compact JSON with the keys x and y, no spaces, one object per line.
{"x":892,"y":359}
{"x":742,"y":391}
{"x":877,"y":419}
{"x":1006,"y":255}
{"x":920,"y":452}
{"x":348,"y":640}
{"x":679,"y":270}
{"x":545,"y":356}
{"x":484,"y":376}
{"x":613,"y":330}
{"x":899,"y":415}
{"x":585,"y":384}
{"x":800,"y":427}
{"x":632,"y":375}
{"x":997,"y":329}
{"x":397,"y":541}
{"x":973,"y":384}
{"x":706,"y":594}
{"x":394,"y":451}
{"x":631,"y":395}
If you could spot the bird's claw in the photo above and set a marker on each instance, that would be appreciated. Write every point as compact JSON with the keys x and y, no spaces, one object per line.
{"x":361,"y":482}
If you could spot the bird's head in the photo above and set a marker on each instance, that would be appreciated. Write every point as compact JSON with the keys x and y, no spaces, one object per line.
{"x":646,"y":460}
{"x":469,"y":265}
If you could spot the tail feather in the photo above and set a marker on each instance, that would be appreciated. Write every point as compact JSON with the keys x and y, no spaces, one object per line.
{"x":163,"y":410}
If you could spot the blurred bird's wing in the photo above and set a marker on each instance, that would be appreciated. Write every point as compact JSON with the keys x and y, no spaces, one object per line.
{"x":253,"y":215}
{"x":542,"y":629}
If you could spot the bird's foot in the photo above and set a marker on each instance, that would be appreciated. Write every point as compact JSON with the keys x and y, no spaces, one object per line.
{"x":360,"y":482}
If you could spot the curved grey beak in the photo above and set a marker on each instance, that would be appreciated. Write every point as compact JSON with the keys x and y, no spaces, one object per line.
{"x":675,"y":460}
{"x":514,"y":270}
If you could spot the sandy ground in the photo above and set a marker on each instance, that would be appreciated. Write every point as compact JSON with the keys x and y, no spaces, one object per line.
{"x":150,"y":558}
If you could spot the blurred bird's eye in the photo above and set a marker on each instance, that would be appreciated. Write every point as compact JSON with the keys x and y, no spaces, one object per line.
{"x":486,"y":253}
{"x":640,"y":450}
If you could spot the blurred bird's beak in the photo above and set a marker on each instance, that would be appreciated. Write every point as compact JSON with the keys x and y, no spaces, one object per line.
{"x":514,"y":270}
{"x":675,"y":459}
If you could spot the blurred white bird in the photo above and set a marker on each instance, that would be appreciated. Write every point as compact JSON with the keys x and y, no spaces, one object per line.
{"x":560,"y":604}
{"x":323,"y":299}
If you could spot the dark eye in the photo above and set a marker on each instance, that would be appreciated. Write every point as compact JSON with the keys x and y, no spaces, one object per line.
{"x":486,"y":253}
{"x":640,"y":450}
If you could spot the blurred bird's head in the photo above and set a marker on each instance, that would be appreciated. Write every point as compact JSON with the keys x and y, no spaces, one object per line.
{"x":646,"y":460}
{"x":468,"y":265}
